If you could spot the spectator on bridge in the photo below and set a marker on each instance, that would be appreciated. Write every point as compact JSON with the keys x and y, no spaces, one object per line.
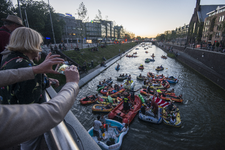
{"x":41,"y":117}
{"x":10,"y":24}
{"x":23,"y":52}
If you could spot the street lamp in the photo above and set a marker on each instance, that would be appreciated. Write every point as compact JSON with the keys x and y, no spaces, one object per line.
{"x":19,"y":9}
{"x":26,"y":20}
{"x":51,"y":22}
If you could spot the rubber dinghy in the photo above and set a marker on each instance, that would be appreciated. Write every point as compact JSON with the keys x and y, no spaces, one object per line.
{"x":117,"y":112}
{"x":84,"y":101}
{"x":117,"y":68}
{"x":166,"y":120}
{"x":151,"y":118}
{"x":130,"y":85}
{"x":110,"y":135}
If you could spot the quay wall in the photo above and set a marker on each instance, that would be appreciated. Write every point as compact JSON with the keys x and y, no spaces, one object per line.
{"x":210,"y":64}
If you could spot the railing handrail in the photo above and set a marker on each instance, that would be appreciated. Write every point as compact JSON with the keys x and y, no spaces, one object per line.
{"x":64,"y":134}
{"x":70,"y":133}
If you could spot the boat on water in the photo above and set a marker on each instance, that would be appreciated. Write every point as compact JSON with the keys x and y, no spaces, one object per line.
{"x":172,"y":80}
{"x":167,"y":120}
{"x":121,"y":78}
{"x":173,"y":98}
{"x":107,"y":99}
{"x":158,"y":78}
{"x":101,"y":108}
{"x":147,"y":60}
{"x":141,"y":67}
{"x":129,"y":84}
{"x":117,"y":68}
{"x":150,"y":74}
{"x":117,"y":112}
{"x":164,"y":57}
{"x":141,"y":78}
{"x":150,"y":118}
{"x":110,"y":136}
{"x":88,"y":100}
{"x":159,"y":68}
{"x":104,"y":91}
{"x":116,"y":93}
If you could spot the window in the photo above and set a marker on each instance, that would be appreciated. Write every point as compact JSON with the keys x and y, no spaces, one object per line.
{"x":219,"y":27}
{"x":194,"y":27}
{"x":207,"y":22}
{"x":217,"y":35}
{"x":221,"y":18}
{"x":206,"y":29}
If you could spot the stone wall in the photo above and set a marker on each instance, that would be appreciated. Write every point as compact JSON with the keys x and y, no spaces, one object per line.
{"x":210,"y":64}
{"x":212,"y":59}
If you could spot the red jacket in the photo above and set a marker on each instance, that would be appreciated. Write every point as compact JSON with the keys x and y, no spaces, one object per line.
{"x":4,"y":37}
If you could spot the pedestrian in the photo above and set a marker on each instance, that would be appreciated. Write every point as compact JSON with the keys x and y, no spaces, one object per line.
{"x":97,"y":125}
{"x":10,"y":24}
{"x":92,"y":63}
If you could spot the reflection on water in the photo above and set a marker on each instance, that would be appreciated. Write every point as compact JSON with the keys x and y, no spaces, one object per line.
{"x":201,"y":112}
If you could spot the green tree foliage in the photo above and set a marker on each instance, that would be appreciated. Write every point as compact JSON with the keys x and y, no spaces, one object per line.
{"x":82,"y":15}
{"x":99,"y":16}
{"x":160,"y":37}
{"x":6,"y":8}
{"x":82,"y":12}
{"x":139,"y":38}
{"x":39,"y":19}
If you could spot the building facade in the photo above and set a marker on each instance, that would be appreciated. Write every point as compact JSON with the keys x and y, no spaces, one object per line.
{"x":93,"y":31}
{"x":181,"y":34}
{"x":197,"y":21}
{"x":118,"y":32}
{"x":75,"y":31}
{"x":214,"y":27}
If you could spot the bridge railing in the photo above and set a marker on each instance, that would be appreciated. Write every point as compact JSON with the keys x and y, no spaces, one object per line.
{"x":69,"y":134}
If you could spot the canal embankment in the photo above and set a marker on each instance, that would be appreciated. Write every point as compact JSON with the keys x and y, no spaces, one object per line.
{"x":112,"y":53}
{"x":210,"y":64}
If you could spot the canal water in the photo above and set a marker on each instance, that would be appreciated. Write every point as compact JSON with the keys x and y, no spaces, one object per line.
{"x":202,"y":112}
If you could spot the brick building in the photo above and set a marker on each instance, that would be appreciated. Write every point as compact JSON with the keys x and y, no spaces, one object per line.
{"x":214,"y":27}
{"x":197,"y":21}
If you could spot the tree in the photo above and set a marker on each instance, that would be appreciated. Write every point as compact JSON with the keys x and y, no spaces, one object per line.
{"x":160,"y":37}
{"x":139,"y":38}
{"x":99,"y":16}
{"x":82,"y":15}
{"x":6,"y":8}
{"x":38,"y":17}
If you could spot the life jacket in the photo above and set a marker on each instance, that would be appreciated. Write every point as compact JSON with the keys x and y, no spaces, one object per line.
{"x":125,"y":100}
{"x":159,"y":91}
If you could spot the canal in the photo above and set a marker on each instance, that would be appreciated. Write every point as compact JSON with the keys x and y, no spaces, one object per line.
{"x":202,"y":112}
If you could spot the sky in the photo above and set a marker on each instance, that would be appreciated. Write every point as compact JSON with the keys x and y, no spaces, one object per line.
{"x":145,"y":18}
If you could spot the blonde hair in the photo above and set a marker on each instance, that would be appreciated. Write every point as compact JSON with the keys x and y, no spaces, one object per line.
{"x":25,"y":39}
